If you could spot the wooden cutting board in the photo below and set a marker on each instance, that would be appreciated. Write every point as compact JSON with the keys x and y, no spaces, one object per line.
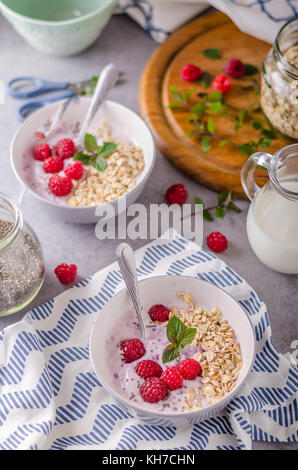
{"x":220,"y":167}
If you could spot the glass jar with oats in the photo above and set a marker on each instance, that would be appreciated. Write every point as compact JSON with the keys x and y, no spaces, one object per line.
{"x":21,"y":259}
{"x":279,"y":84}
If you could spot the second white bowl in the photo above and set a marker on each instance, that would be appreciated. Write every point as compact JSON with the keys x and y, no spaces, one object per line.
{"x":121,"y":119}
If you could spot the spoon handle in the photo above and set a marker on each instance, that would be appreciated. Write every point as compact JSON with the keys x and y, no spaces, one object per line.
{"x":127,"y":265}
{"x":107,"y":79}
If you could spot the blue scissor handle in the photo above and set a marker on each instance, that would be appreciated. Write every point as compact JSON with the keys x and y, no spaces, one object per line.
{"x":39,"y":86}
{"x":30,"y":106}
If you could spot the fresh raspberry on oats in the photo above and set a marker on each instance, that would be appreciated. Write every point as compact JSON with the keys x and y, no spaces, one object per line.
{"x":153,"y":390}
{"x":53,"y":165}
{"x":172,"y":378}
{"x":148,"y":368}
{"x":42,"y":151}
{"x":189,"y":369}
{"x":159,"y":313}
{"x":132,"y":349}
{"x":75,"y":171}
{"x":59,"y":185}
{"x":65,"y":148}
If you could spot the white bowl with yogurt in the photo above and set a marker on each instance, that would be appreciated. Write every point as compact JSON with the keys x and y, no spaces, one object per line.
{"x":125,"y":125}
{"x":117,"y":321}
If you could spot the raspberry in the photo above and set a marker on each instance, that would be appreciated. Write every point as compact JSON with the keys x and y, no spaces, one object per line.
{"x":176,"y":194}
{"x":132,"y":349}
{"x":42,"y":151}
{"x":159,"y":313}
{"x":222,"y":82}
{"x":235,"y":68}
{"x":53,"y":165}
{"x":66,"y":273}
{"x":38,"y":136}
{"x":217,"y":242}
{"x":172,"y":378}
{"x":153,"y":390}
{"x":65,"y":148}
{"x":190,"y":72}
{"x":148,"y":368}
{"x":59,"y":185}
{"x":189,"y":369}
{"x":75,"y":171}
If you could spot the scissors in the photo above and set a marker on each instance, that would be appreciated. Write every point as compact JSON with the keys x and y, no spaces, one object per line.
{"x":29,"y":87}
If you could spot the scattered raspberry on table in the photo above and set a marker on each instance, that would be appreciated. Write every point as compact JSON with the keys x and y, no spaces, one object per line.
{"x":190,"y":73}
{"x":153,"y":390}
{"x":66,"y":273}
{"x":217,"y":242}
{"x":172,"y":378}
{"x":148,"y":368}
{"x":59,"y":185}
{"x":176,"y":194}
{"x":42,"y":151}
{"x":222,"y":83}
{"x":65,"y":148}
{"x":159,"y":313}
{"x":132,"y":349}
{"x":189,"y":369}
{"x":53,"y":165}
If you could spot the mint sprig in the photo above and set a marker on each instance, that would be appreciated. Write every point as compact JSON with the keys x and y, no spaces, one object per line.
{"x":96,"y":154}
{"x":225,"y":201}
{"x":179,"y":336}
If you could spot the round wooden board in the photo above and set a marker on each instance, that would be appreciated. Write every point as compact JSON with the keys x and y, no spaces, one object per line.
{"x":220,"y":167}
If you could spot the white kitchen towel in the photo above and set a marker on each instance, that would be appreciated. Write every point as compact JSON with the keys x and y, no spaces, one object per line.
{"x":50,"y":397}
{"x":259,"y":18}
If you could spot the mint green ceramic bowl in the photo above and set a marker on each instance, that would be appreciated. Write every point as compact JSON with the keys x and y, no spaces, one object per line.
{"x":58,"y":27}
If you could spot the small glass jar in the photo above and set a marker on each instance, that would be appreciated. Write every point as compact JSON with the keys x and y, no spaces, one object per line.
{"x":21,"y":259}
{"x":279,"y":82}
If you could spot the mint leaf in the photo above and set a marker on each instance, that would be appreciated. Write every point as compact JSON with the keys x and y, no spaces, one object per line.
{"x":99,"y":163}
{"x":188,"y":93}
{"x":215,"y":106}
{"x":174,"y":327}
{"x":82,"y":157}
{"x":250,"y":69}
{"x":220,"y":212}
{"x":212,"y":53}
{"x":205,"y":143}
{"x":221,"y":197}
{"x":223,"y":142}
{"x":199,"y":108}
{"x":90,"y":143}
{"x":233,"y":207}
{"x":205,"y":80}
{"x":198,"y":200}
{"x":256,"y":125}
{"x":170,"y":353}
{"x":215,"y":95}
{"x":186,"y":336}
{"x":176,"y":93}
{"x":211,"y":125}
{"x":106,"y":149}
{"x":207,"y":216}
{"x":248,"y":148}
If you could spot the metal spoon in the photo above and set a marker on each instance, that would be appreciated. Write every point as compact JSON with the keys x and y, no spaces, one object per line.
{"x":127,"y":265}
{"x":107,"y":79}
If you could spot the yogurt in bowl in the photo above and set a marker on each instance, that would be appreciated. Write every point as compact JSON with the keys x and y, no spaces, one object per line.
{"x":126,"y":126}
{"x":225,"y":358}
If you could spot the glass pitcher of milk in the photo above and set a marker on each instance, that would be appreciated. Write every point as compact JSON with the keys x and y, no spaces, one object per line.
{"x":272,"y":219}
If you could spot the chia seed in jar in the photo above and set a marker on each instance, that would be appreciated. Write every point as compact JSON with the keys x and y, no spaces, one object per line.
{"x":21,"y":260}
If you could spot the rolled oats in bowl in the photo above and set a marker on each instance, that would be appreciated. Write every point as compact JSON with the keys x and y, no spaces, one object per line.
{"x":279,"y":83}
{"x":119,"y":176}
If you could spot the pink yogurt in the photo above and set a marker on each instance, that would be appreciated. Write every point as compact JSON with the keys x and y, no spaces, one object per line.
{"x":125,"y":379}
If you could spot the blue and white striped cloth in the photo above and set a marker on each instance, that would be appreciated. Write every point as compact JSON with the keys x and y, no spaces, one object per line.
{"x":50,"y":398}
{"x":259,"y":18}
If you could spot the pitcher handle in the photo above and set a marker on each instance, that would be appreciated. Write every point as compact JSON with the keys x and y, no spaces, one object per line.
{"x":247,"y":173}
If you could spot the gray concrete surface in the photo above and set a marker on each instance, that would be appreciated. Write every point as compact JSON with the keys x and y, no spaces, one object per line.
{"x":129,"y":47}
